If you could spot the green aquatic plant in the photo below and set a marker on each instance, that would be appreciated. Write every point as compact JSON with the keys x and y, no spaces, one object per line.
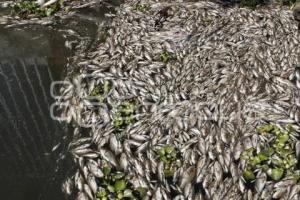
{"x":142,"y":7}
{"x":100,"y":91}
{"x":277,"y":159}
{"x":164,"y":57}
{"x":115,"y":185}
{"x":26,"y":9}
{"x":125,"y":115}
{"x":169,"y":156}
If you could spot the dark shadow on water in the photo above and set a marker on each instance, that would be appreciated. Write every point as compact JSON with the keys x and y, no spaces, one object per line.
{"x":30,"y":60}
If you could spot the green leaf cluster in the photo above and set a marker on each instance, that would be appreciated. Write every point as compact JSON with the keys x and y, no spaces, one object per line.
{"x":101,"y":90}
{"x":169,"y":156}
{"x":125,"y":115}
{"x":278,"y":158}
{"x":142,"y":7}
{"x":25,"y":9}
{"x":164,"y":57}
{"x":115,"y":186}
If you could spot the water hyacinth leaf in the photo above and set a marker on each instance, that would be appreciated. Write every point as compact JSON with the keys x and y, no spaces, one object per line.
{"x":120,"y":185}
{"x":118,"y":122}
{"x":169,"y":149}
{"x":120,"y":195}
{"x":278,"y":146}
{"x":268,"y":152}
{"x":277,"y":174}
{"x":283,"y":138}
{"x":165,"y":159}
{"x":161,"y":152}
{"x":277,"y":161}
{"x":247,"y":154}
{"x":97,"y":91}
{"x":129,"y":120}
{"x":106,"y":170}
{"x":142,"y":191}
{"x":128,"y":193}
{"x":264,"y":168}
{"x":248,"y":175}
{"x":285,"y":152}
{"x":25,"y":9}
{"x":265,"y":129}
{"x":142,"y":7}
{"x":101,"y":194}
{"x":296,"y":175}
{"x":290,"y":128}
{"x":129,"y":109}
{"x":49,"y":12}
{"x":255,"y":161}
{"x":119,"y":175}
{"x":110,"y":188}
{"x":164,"y":57}
{"x":290,"y":161}
{"x":168,"y":173}
{"x":262,"y":157}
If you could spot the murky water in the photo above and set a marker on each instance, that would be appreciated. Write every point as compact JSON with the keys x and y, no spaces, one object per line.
{"x":31,"y":58}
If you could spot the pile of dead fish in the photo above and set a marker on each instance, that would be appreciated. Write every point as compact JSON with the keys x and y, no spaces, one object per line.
{"x":165,"y":107}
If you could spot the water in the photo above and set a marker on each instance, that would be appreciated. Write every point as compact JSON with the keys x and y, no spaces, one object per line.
{"x":31,"y":58}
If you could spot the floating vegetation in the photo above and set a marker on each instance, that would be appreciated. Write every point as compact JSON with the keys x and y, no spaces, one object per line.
{"x":278,"y":159}
{"x":142,"y":7}
{"x":115,"y":185}
{"x":100,"y":91}
{"x":169,"y":156}
{"x":166,"y":57}
{"x":125,"y":115}
{"x":26,"y":9}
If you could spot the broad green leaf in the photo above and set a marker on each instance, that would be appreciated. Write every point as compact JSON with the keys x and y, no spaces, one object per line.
{"x":120,"y":185}
{"x":168,"y":173}
{"x":127,"y":193}
{"x":110,"y":188}
{"x":277,"y":174}
{"x":283,"y":138}
{"x":106,"y":170}
{"x":248,"y":175}
{"x":169,"y":149}
{"x":255,"y":160}
{"x":268,"y":152}
{"x":161,"y":152}
{"x":262,"y":157}
{"x":142,"y":191}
